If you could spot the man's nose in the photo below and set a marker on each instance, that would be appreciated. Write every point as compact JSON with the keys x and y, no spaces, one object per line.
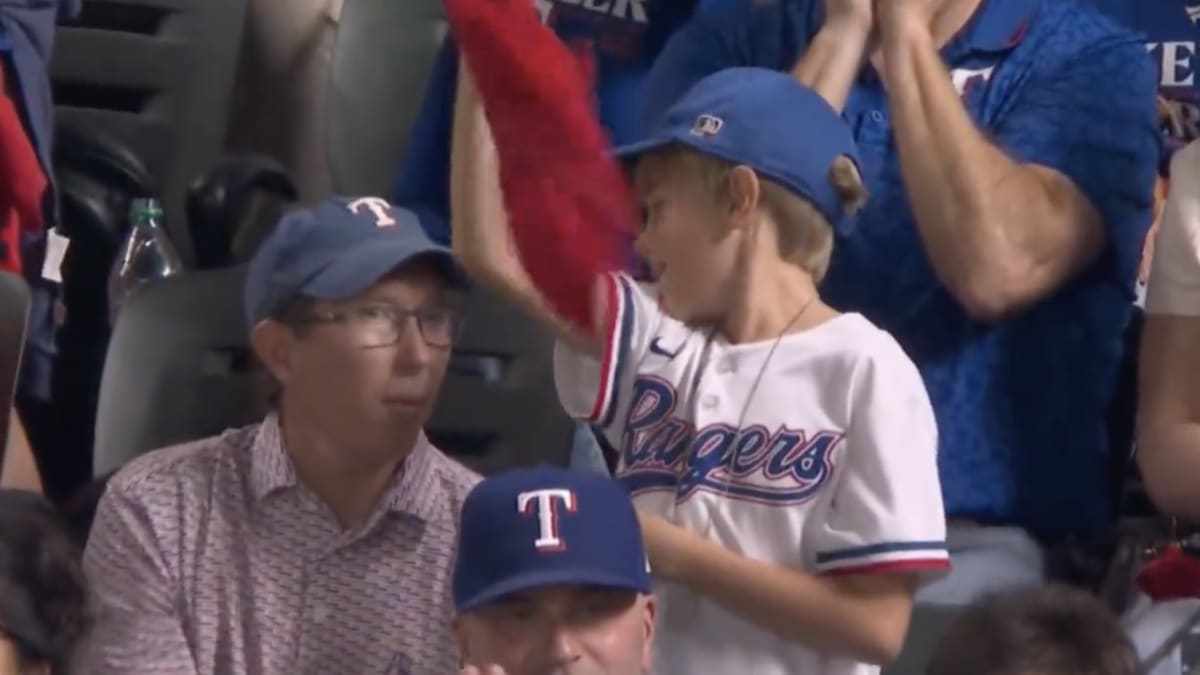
{"x":564,"y":646}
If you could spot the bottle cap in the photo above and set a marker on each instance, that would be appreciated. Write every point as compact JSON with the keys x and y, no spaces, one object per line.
{"x":145,"y":208}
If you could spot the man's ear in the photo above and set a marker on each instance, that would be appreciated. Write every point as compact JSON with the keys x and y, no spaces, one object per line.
{"x":272,"y":342}
{"x":650,"y":611}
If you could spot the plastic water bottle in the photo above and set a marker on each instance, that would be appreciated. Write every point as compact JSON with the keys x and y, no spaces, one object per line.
{"x":145,"y":256}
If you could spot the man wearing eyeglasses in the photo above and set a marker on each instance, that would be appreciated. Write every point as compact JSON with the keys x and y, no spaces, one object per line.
{"x":320,"y":540}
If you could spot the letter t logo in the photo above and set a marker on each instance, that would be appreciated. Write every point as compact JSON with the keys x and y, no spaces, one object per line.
{"x":545,"y":505}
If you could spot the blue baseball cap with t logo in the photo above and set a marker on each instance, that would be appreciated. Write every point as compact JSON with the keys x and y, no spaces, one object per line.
{"x":765,"y":120}
{"x":534,"y":528}
{"x":337,"y":249}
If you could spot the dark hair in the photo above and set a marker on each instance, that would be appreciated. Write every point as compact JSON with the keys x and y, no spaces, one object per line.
{"x":43,"y":594}
{"x":1055,"y":630}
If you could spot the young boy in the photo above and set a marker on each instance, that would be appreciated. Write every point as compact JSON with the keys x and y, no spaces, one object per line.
{"x":1055,"y":630}
{"x":781,"y":455}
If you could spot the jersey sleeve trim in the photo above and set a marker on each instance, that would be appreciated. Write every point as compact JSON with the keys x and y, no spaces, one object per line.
{"x":894,"y":556}
{"x":619,"y":332}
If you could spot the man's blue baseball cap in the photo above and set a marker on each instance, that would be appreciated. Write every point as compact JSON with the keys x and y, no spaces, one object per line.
{"x":765,"y":120}
{"x":337,"y":249}
{"x":534,"y":528}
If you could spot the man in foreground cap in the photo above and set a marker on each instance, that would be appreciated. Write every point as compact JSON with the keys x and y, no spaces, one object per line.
{"x":319,"y":540}
{"x":551,"y":577}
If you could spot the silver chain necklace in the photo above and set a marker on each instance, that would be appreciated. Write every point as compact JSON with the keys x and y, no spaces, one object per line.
{"x":733,"y":446}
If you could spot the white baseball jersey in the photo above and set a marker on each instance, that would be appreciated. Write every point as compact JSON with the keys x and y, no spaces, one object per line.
{"x":1174,"y":286}
{"x":828,"y":465}
{"x":1150,"y":624}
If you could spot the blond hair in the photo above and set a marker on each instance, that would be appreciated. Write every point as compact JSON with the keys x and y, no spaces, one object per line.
{"x":805,"y":235}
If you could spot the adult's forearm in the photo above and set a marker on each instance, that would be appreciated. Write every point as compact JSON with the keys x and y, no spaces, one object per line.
{"x":1169,"y":458}
{"x":833,"y":59}
{"x":998,"y":233}
{"x":1168,"y":439}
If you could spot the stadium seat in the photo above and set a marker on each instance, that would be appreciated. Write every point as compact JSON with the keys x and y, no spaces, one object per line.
{"x":924,"y":631}
{"x":156,"y":75}
{"x":178,"y":367}
{"x":382,"y":56}
{"x":498,"y":408}
{"x":14,"y":321}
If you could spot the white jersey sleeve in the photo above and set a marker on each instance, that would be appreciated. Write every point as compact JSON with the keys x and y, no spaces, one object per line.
{"x":1174,"y":286}
{"x":886,"y":512}
{"x":590,"y":389}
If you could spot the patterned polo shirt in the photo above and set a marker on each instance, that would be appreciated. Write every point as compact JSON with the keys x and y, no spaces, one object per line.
{"x":210,"y":557}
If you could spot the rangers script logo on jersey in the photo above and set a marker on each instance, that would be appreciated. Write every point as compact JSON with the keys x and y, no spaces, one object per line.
{"x":784,"y":466}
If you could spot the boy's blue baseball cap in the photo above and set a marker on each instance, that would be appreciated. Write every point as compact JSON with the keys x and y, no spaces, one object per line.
{"x":765,"y":120}
{"x":337,"y":249}
{"x":538,"y":527}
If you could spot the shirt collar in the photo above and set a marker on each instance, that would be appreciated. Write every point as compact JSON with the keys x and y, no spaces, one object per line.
{"x":998,"y":25}
{"x":270,"y":467}
{"x":413,"y":490}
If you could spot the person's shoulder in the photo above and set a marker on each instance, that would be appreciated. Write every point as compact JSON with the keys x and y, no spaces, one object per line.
{"x":865,"y":350}
{"x":191,"y":467}
{"x":1079,"y":25}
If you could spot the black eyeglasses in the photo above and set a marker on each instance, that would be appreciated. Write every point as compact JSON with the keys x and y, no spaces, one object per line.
{"x":381,"y":324}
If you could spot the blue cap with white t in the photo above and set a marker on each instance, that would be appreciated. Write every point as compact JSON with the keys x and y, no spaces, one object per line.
{"x":337,"y":249}
{"x":765,"y":120}
{"x":539,"y":527}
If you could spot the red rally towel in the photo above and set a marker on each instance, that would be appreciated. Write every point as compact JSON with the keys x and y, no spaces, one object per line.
{"x":1171,"y":575}
{"x":571,"y":209}
{"x":22,"y":184}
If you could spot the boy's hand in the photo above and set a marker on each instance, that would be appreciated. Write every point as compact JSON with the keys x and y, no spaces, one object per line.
{"x":668,"y":546}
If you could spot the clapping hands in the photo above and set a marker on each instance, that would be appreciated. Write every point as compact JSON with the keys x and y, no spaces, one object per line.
{"x":879,"y":15}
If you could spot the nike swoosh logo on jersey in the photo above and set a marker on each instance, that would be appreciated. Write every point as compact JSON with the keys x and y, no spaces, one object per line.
{"x":657,"y":348}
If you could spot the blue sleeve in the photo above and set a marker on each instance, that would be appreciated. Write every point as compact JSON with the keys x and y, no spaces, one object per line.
{"x":728,"y":34}
{"x":422,"y":182}
{"x":1095,"y":121}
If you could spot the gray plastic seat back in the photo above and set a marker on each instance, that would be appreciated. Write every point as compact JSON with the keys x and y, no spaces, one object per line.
{"x":14,"y":322}
{"x":499,"y":408}
{"x":158,"y":76}
{"x":925,"y":630}
{"x":178,"y":368}
{"x":382,"y":57}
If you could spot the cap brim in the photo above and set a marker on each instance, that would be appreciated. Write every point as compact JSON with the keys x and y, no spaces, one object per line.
{"x":632,"y":151}
{"x":360,"y":267}
{"x":535,"y":580}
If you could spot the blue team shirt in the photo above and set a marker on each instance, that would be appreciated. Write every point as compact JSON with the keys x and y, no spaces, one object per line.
{"x":626,"y":36}
{"x":1172,"y":34}
{"x":1020,"y":406}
